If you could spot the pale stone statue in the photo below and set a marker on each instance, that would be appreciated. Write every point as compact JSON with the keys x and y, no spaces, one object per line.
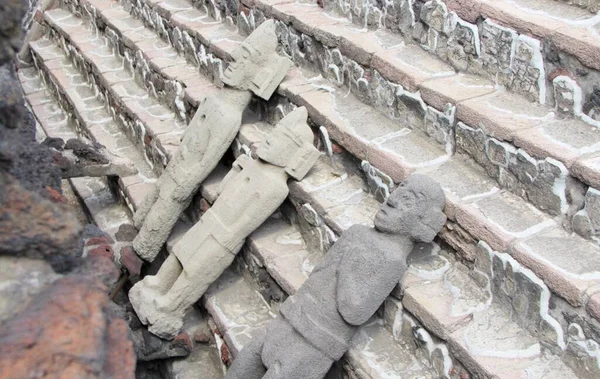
{"x":256,"y":68}
{"x":316,"y":324}
{"x":248,"y":195}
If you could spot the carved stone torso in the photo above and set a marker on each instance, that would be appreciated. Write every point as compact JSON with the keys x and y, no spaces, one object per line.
{"x":314,"y":310}
{"x":247,"y":200}
{"x":218,"y":122}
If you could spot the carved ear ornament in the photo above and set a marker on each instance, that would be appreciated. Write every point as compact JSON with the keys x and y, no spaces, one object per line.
{"x":302,"y":161}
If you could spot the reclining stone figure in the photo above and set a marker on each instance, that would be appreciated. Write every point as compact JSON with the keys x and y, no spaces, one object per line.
{"x":251,"y":191}
{"x":360,"y":270}
{"x":257,"y":69}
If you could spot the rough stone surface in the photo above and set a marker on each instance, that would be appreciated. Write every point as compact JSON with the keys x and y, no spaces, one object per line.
{"x":207,"y":138}
{"x":313,"y":331}
{"x":35,"y":227}
{"x":126,"y":233}
{"x":70,"y":330}
{"x":20,"y":154}
{"x":22,"y":279}
{"x":130,"y":260}
{"x":11,"y":15}
{"x":257,"y":187}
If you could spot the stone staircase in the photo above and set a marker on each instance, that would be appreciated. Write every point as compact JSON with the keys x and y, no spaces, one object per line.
{"x":512,"y":287}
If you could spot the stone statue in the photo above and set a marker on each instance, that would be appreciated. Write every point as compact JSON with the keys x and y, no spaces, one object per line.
{"x":251,"y":191}
{"x":256,"y":68}
{"x":316,"y":324}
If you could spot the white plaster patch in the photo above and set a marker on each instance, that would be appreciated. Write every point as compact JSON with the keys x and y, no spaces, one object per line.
{"x":544,"y":291}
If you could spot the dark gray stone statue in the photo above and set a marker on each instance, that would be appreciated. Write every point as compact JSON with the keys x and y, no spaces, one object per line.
{"x":316,"y":324}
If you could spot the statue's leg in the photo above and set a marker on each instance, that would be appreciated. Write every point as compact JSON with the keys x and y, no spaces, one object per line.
{"x":165,"y":277}
{"x":157,"y":227}
{"x":147,"y":203}
{"x":202,"y":270}
{"x":288,"y":355}
{"x":248,"y":363}
{"x":207,"y":264}
{"x":144,"y":292}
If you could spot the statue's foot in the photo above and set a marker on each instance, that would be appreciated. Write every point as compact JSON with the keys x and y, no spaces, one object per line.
{"x":166,"y":327}
{"x":164,"y":324}
{"x":141,"y":298}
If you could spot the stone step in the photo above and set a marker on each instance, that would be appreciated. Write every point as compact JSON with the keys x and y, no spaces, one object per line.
{"x":341,"y":210}
{"x":204,"y":360}
{"x":159,"y":65}
{"x":104,"y":208}
{"x":591,"y":5}
{"x":378,"y":61}
{"x":92,"y":118}
{"x":240,"y":312}
{"x":538,"y":131}
{"x":440,"y":292}
{"x":474,"y":207}
{"x":496,"y":229}
{"x":147,"y":122}
{"x":480,"y":37}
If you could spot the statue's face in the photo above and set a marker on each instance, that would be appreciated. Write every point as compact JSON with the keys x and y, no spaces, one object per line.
{"x":398,"y":207}
{"x":245,"y":65}
{"x":413,"y":209}
{"x":277,"y":148}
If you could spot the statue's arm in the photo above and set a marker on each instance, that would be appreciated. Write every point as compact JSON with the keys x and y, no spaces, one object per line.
{"x":365,"y":279}
{"x":236,"y":168}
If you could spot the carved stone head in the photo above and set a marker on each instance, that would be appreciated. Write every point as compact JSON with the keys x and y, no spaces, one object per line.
{"x":290,"y":145}
{"x":414,"y":209}
{"x":256,"y":66}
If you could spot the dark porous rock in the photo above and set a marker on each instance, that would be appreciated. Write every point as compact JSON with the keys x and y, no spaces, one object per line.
{"x":126,"y":233}
{"x":148,"y":370}
{"x":20,"y":155}
{"x":149,"y":347}
{"x":100,"y":268}
{"x":183,"y":341}
{"x":68,"y":330}
{"x":35,"y":227}
{"x":102,"y":251}
{"x":11,"y":32}
{"x":54,"y":143}
{"x":62,"y":162}
{"x":202,"y":336}
{"x":85,"y":152}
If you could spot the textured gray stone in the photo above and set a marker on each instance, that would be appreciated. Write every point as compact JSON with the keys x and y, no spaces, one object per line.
{"x":208,"y":137}
{"x":249,"y":194}
{"x":256,"y":66}
{"x":316,"y":324}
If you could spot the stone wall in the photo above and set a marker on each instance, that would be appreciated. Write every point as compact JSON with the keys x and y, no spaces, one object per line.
{"x":51,"y":300}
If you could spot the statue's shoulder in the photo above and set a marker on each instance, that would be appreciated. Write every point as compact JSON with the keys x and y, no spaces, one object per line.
{"x":357,"y":234}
